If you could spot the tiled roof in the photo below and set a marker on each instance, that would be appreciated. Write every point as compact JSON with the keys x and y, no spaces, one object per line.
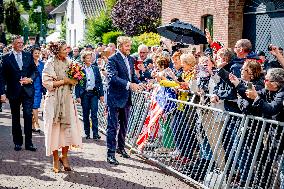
{"x":92,"y":7}
{"x":60,"y":9}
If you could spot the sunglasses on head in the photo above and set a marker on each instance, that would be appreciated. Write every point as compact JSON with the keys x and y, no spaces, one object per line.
{"x":267,"y":80}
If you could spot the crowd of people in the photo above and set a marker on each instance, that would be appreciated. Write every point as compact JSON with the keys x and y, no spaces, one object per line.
{"x":238,"y":80}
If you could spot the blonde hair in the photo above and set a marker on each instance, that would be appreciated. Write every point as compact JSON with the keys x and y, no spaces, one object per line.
{"x":122,"y":40}
{"x":85,"y":53}
{"x":188,"y":58}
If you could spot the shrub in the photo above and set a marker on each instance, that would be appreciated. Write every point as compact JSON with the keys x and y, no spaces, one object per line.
{"x":96,"y":27}
{"x":110,"y":37}
{"x":149,"y":39}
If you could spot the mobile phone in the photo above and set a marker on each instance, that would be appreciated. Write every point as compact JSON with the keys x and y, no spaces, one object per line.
{"x":226,"y":73}
{"x":269,"y":48}
{"x":249,"y":85}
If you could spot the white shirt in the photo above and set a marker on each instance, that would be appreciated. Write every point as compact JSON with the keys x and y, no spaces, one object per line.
{"x":90,"y":76}
{"x":128,"y":67}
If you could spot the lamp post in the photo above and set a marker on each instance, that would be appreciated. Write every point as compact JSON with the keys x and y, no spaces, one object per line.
{"x":26,"y":34}
{"x":39,"y":10}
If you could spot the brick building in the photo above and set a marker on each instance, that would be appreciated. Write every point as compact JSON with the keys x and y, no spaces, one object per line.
{"x":261,"y":21}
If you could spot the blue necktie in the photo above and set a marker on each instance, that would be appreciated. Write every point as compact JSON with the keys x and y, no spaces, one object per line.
{"x":18,"y":59}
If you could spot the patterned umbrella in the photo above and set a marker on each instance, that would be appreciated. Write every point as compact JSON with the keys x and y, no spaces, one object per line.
{"x":182,"y":32}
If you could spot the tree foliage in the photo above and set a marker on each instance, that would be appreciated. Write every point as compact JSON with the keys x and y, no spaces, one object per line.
{"x":110,"y":4}
{"x":12,"y":18}
{"x":25,"y":4}
{"x":149,"y":39}
{"x":54,"y":3}
{"x":33,"y":29}
{"x":111,"y":37}
{"x":1,"y":11}
{"x":35,"y":17}
{"x":135,"y":17}
{"x":97,"y":26}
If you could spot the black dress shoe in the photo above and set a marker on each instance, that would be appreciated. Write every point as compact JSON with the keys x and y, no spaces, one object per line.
{"x":97,"y":137}
{"x":17,"y":147}
{"x":36,"y":130}
{"x":31,"y":148}
{"x":88,"y":137}
{"x":123,"y":153}
{"x":112,"y":160}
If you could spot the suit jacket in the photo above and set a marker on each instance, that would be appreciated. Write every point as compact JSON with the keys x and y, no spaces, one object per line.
{"x":81,"y":89}
{"x":2,"y":87}
{"x":11,"y":75}
{"x":118,"y":78}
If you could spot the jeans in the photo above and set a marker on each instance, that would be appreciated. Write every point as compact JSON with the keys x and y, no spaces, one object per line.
{"x":89,"y":102}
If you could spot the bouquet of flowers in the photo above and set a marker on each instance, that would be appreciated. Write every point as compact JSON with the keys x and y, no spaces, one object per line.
{"x":75,"y":71}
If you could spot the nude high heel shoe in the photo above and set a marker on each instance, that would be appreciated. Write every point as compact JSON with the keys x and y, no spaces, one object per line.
{"x":64,"y":161}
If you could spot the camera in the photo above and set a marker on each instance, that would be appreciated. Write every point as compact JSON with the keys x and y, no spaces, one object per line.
{"x":269,"y":48}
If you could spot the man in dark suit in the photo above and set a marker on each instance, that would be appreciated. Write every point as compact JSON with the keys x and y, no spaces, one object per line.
{"x":1,"y":87}
{"x":17,"y":73}
{"x":122,"y":80}
{"x":88,"y":95}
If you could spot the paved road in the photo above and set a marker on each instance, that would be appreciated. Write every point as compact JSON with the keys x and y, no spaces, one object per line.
{"x":27,"y":169}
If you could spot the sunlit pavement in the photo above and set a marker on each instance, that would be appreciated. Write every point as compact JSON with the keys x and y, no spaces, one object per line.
{"x":27,"y":169}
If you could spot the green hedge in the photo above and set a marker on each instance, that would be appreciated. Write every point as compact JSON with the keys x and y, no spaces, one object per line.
{"x":111,"y":37}
{"x":149,"y":39}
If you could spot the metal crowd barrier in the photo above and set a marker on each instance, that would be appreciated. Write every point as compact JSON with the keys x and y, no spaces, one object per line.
{"x":207,"y":146}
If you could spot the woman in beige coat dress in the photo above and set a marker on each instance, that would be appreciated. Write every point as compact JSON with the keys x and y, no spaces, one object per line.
{"x":61,"y":124}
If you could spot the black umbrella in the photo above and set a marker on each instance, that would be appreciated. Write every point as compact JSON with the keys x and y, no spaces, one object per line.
{"x":182,"y":32}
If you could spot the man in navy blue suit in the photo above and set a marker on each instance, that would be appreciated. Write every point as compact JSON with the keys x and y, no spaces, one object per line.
{"x":122,"y":80}
{"x":17,"y":73}
{"x":88,"y":95}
